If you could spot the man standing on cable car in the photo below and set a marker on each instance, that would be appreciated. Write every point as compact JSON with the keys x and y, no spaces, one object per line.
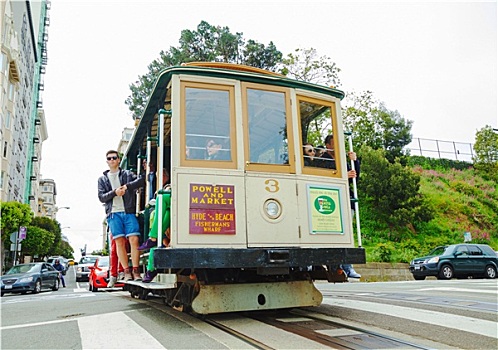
{"x":329,"y":163}
{"x":117,"y":192}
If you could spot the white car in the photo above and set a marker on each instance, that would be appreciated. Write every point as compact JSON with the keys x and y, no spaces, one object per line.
{"x":82,"y":270}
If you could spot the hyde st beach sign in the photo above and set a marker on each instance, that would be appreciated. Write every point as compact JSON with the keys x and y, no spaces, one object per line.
{"x":212,"y":209}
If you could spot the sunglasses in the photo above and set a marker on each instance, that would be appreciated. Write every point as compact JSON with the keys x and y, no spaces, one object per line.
{"x":310,"y":151}
{"x":112,"y":158}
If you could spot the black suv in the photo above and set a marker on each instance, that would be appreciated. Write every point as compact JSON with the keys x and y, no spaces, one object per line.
{"x":457,"y":260}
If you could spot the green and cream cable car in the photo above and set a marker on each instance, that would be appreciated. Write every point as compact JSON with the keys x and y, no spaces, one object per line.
{"x":250,"y":226}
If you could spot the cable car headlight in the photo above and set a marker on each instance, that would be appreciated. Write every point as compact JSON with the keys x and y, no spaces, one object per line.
{"x":273,"y":209}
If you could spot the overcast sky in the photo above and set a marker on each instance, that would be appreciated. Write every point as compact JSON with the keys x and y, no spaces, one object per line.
{"x":434,"y":62}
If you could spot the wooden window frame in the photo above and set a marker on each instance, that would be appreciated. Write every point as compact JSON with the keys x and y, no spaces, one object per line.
{"x":310,"y":170}
{"x":201,"y":163}
{"x":260,"y":167}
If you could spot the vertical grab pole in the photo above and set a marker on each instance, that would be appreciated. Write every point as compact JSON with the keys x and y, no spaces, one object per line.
{"x":355,"y":192}
{"x":159,"y":173}
{"x":148,"y":185}
{"x":137,"y":193}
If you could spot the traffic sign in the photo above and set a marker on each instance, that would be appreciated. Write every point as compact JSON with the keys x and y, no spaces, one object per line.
{"x":13,"y":247}
{"x":22,"y":233}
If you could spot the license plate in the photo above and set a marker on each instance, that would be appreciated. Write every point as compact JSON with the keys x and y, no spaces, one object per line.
{"x":8,"y":286}
{"x":417,"y":267}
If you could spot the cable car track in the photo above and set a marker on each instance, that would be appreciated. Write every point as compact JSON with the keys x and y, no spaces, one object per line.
{"x":315,"y":328}
{"x":309,"y":327}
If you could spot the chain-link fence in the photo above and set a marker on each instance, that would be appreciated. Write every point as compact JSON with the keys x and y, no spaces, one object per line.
{"x":441,"y":149}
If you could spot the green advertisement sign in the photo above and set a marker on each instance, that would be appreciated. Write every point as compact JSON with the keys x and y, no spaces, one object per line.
{"x":325,"y":213}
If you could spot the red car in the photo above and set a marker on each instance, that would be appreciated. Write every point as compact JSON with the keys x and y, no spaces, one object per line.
{"x":99,"y":275}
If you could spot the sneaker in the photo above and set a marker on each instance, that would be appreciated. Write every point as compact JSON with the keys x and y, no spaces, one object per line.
{"x":353,"y":274}
{"x":121,"y":276}
{"x":112,"y":281}
{"x":149,"y":276}
{"x":137,"y":276}
{"x":149,"y":243}
{"x":127,"y":276}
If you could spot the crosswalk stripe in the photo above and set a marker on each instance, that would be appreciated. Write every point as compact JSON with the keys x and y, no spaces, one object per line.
{"x":463,"y":323}
{"x":114,"y":331}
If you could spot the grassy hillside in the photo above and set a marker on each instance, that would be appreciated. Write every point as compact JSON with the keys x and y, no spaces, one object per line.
{"x":462,"y":200}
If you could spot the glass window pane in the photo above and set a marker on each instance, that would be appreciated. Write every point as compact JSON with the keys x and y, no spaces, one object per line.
{"x":207,"y":115}
{"x":267,"y":127}
{"x":316,"y":123}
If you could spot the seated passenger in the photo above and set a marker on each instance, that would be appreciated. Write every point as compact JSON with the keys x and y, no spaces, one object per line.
{"x":309,"y":154}
{"x":166,"y":203}
{"x":319,"y":151}
{"x":151,"y":242}
{"x":215,"y":151}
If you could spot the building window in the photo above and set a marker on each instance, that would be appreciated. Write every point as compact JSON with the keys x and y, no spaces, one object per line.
{"x":7,"y":120}
{"x":11,"y":92}
{"x":3,"y":63}
{"x":1,"y":179}
{"x":5,"y":146}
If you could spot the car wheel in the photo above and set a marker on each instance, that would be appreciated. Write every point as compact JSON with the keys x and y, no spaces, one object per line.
{"x":37,"y":288}
{"x":419,"y":278}
{"x":446,"y":272}
{"x":490,"y":271}
{"x":2,"y":294}
{"x":55,"y":287}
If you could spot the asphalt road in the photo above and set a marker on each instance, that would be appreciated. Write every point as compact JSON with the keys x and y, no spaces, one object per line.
{"x":437,"y":314}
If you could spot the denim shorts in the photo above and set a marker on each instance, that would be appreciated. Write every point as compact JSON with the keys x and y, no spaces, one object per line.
{"x":123,"y":225}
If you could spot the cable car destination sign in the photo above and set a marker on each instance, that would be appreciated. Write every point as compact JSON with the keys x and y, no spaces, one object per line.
{"x":212,"y":209}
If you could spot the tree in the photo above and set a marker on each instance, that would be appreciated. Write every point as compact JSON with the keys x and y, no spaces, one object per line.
{"x":52,"y":226}
{"x":38,"y":241}
{"x":207,"y":44}
{"x":305,"y":65}
{"x":373,"y":125}
{"x":486,"y":149}
{"x":392,"y":191}
{"x":14,"y":215}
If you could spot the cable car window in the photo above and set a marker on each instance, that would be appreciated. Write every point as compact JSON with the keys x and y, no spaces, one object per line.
{"x":315,"y":124}
{"x":207,"y":117}
{"x":317,"y":120}
{"x":267,"y":127}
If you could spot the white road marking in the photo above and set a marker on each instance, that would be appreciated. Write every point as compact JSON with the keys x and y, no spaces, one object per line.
{"x":463,"y":323}
{"x":450,"y":289}
{"x":114,"y":331}
{"x":56,"y":296}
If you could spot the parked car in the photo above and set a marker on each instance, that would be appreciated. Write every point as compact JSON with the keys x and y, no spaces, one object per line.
{"x":82,"y":269}
{"x":457,"y":260}
{"x":99,"y":275}
{"x":32,"y":277}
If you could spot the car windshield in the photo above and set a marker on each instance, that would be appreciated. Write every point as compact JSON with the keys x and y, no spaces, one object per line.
{"x":24,"y":268}
{"x":439,"y":251}
{"x":88,"y":260}
{"x":104,"y":261}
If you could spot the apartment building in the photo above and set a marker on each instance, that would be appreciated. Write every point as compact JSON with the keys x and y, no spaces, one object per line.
{"x":23,"y":60}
